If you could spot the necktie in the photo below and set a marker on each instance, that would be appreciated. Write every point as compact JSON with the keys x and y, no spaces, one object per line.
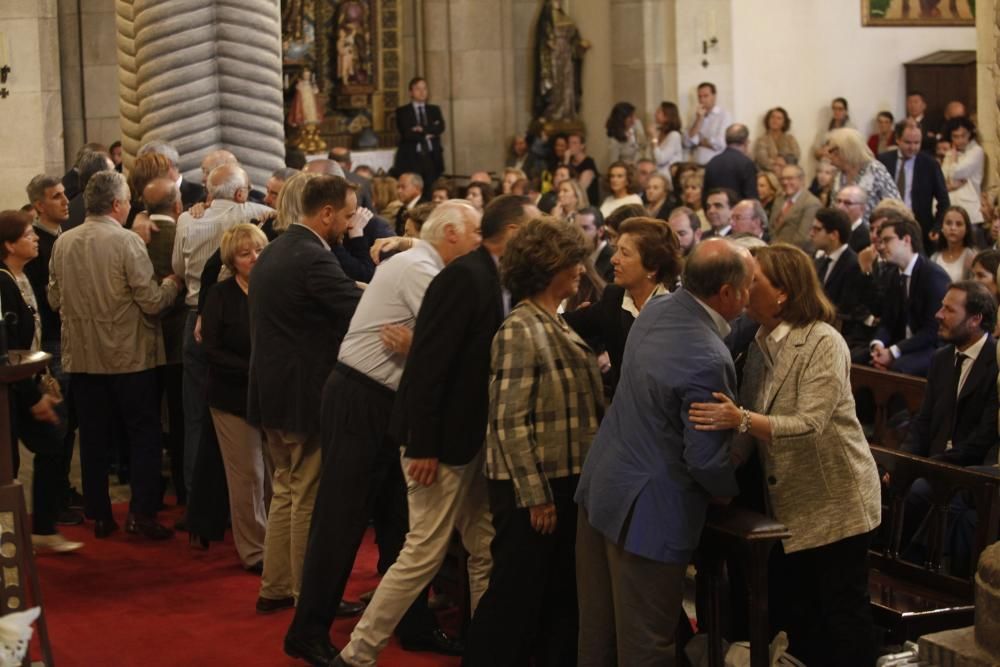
{"x":901,"y":177}
{"x":421,"y":120}
{"x":822,"y":267}
{"x":953,"y":412}
{"x":784,"y":210}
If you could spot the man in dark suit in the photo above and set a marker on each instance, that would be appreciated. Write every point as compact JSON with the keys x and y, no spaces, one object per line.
{"x":732,"y":168}
{"x":916,"y":106}
{"x":918,"y":177}
{"x":648,"y":461}
{"x":440,"y":414}
{"x":906,"y":337}
{"x":957,"y":422}
{"x":420,"y":126}
{"x":591,"y":222}
{"x":719,"y":203}
{"x":90,"y":164}
{"x":837,"y":267}
{"x":71,"y":179}
{"x":300,"y":307}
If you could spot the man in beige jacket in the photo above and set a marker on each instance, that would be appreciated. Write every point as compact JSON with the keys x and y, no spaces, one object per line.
{"x":101,"y":281}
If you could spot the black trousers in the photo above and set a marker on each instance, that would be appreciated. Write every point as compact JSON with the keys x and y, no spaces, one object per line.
{"x":171,"y":382}
{"x":820,"y":598}
{"x":68,"y":414}
{"x":361,"y":478}
{"x":529,"y":613}
{"x":48,"y":486}
{"x":132,"y":398}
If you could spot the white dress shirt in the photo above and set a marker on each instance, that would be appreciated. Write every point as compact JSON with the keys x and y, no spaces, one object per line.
{"x":713,"y":128}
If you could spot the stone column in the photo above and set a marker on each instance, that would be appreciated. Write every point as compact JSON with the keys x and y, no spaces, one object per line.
{"x":204,"y":75}
{"x":468,"y":61}
{"x":31,"y":131}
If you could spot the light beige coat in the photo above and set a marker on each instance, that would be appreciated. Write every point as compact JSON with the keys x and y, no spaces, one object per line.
{"x":101,"y":282}
{"x":821,"y":479}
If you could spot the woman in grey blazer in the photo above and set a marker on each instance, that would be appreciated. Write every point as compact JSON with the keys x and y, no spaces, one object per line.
{"x":798,"y":411}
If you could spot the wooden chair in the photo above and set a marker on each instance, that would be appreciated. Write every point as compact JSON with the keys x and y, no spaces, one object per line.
{"x":884,"y":388}
{"x":913,"y":599}
{"x":750,"y":537}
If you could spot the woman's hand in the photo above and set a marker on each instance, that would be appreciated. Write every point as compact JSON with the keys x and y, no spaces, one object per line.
{"x":721,"y":416}
{"x":45,"y":409}
{"x":543,"y":518}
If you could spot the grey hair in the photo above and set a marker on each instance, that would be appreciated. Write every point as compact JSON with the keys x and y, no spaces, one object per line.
{"x":226,"y":188}
{"x":103,"y":190}
{"x":160,"y":147}
{"x":38,"y":185}
{"x":705,"y":276}
{"x":452,"y":213}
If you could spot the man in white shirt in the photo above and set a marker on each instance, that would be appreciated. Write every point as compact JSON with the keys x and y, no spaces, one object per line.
{"x":361,"y":464}
{"x":195,"y":242}
{"x":707,"y":135}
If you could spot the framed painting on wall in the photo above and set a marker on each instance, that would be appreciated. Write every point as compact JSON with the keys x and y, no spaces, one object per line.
{"x":925,"y":13}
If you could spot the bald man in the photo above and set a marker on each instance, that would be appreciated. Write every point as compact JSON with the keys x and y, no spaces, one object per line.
{"x":196,"y":241}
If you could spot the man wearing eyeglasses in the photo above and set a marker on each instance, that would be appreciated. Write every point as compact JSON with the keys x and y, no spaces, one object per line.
{"x":907,"y":335}
{"x":851,"y":200}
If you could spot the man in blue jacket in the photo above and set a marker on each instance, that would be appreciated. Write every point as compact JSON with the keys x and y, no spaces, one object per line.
{"x":650,"y":475}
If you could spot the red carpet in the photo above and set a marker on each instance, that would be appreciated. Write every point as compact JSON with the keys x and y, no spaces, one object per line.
{"x":126,"y":601}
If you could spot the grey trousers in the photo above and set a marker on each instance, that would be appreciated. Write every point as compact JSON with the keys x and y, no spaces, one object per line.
{"x":629,"y":605}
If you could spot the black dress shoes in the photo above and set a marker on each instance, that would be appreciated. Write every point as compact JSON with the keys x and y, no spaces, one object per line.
{"x":317,"y":652}
{"x":147,"y":527}
{"x":271,"y":605}
{"x":257,"y":568}
{"x":434,"y":641}
{"x":347,"y":609}
{"x":104,"y":527}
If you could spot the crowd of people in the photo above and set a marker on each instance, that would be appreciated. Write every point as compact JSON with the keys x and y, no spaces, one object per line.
{"x":565,"y":369}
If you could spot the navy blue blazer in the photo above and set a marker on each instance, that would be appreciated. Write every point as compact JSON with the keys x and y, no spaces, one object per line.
{"x":928,"y":284}
{"x":928,"y":186}
{"x":648,"y":467}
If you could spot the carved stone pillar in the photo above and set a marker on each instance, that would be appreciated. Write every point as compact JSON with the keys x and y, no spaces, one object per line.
{"x":204,"y":75}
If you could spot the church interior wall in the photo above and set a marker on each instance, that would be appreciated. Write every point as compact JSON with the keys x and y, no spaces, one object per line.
{"x":31,"y":131}
{"x":800,"y":54}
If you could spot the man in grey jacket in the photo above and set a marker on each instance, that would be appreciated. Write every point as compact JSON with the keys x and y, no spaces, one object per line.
{"x":101,"y":282}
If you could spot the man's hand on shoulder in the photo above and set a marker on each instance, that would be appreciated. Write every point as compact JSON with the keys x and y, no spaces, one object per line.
{"x":144,"y":227}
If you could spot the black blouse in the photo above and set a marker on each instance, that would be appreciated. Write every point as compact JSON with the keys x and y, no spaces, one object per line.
{"x":225,"y":331}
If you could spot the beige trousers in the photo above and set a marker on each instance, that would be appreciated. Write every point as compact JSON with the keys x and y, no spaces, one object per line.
{"x":297,"y":464}
{"x":243,"y":457}
{"x":456,"y":500}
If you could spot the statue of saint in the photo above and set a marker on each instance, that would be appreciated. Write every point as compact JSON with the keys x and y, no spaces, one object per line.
{"x":305,"y":105}
{"x":559,"y":51}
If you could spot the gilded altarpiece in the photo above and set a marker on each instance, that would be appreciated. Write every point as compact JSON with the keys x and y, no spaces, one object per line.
{"x":347,"y":54}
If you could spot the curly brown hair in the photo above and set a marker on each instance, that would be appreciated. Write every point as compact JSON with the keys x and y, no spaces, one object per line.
{"x":631,"y":182}
{"x":541,"y":249}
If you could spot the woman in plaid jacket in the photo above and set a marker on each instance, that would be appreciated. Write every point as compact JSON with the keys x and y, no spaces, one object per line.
{"x":545,"y":405}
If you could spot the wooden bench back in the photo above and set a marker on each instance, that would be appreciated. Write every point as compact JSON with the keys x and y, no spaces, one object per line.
{"x":884,"y":388}
{"x":945,"y":481}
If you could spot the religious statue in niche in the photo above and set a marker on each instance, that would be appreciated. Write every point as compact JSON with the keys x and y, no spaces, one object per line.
{"x":307,"y":113}
{"x":559,"y":51}
{"x":298,"y":18}
{"x":355,"y":66}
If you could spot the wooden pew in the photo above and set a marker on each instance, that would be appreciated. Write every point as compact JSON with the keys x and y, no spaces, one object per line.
{"x":911,"y":599}
{"x":882,"y":387}
{"x":750,"y":537}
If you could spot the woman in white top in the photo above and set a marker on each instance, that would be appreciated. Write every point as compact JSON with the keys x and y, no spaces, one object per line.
{"x":623,"y":186}
{"x":963,"y":167}
{"x":665,"y":136}
{"x":956,"y":250}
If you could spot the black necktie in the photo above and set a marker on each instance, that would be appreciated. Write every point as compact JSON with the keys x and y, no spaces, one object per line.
{"x":421,"y":121}
{"x":822,"y":266}
{"x":956,"y":377}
